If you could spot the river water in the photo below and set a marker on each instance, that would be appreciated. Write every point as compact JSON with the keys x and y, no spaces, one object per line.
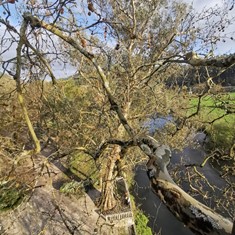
{"x":160,"y":218}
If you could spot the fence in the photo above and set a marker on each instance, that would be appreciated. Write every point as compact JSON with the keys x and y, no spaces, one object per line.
{"x":119,"y":216}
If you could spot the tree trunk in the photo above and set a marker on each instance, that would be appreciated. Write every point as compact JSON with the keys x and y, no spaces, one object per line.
{"x":199,"y":218}
{"x":108,"y":200}
{"x":37,"y":147}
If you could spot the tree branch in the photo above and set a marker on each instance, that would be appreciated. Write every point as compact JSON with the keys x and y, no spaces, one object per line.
{"x":123,"y":144}
{"x":193,"y":59}
{"x":19,"y":89}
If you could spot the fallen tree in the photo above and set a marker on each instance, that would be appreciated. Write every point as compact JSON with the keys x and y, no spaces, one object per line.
{"x":199,"y":218}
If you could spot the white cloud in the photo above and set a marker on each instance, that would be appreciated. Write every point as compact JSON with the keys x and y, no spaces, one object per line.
{"x":11,"y":52}
{"x":63,"y":71}
{"x":200,"y":5}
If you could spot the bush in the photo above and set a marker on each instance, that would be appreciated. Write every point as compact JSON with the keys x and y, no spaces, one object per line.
{"x":141,"y":224}
{"x":11,"y":194}
{"x":221,"y":136}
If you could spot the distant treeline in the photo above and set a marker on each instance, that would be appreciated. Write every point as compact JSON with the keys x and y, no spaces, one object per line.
{"x":195,"y":76}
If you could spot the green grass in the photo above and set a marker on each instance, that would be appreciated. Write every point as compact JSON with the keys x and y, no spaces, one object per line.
{"x":141,"y":222}
{"x":212,"y":107}
{"x":72,"y":187}
{"x":216,"y":115}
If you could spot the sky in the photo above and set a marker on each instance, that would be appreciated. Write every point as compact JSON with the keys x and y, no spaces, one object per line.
{"x":198,"y":5}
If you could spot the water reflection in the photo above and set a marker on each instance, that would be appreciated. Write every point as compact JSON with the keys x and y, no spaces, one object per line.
{"x":157,"y":123}
{"x":160,"y":218}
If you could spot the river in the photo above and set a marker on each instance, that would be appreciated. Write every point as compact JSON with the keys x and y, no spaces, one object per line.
{"x":160,"y":218}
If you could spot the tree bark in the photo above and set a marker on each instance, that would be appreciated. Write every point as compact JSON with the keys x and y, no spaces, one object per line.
{"x":199,"y":218}
{"x":193,"y":59}
{"x":108,"y":200}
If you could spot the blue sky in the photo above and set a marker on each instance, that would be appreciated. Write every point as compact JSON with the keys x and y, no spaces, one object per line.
{"x":199,"y":5}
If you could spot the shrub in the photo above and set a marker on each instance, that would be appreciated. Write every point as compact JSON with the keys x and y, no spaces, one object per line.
{"x":141,"y":224}
{"x":11,"y":194}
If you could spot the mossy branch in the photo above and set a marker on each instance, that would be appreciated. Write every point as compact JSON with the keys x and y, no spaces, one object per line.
{"x":20,"y":97}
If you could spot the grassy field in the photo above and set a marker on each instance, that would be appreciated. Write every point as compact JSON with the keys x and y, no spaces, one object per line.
{"x":217,"y":110}
{"x":213,"y":106}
